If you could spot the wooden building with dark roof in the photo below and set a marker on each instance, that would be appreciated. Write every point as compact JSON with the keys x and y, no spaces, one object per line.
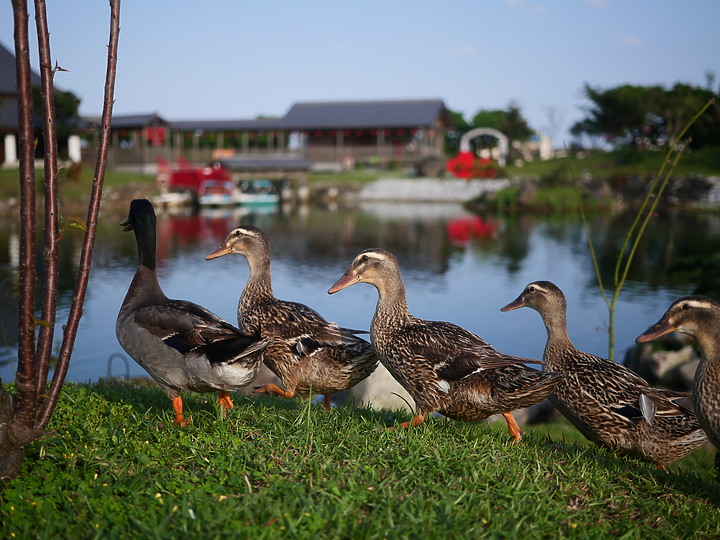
{"x":9,"y":105}
{"x":327,"y":134}
{"x":402,"y":131}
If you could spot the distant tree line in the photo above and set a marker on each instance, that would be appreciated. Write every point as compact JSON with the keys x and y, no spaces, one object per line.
{"x":642,"y":117}
{"x":649,"y":116}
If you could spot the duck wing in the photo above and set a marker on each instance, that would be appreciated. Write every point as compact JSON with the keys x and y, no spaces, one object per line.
{"x":453,"y":352}
{"x":188,"y":327}
{"x":303,"y":328}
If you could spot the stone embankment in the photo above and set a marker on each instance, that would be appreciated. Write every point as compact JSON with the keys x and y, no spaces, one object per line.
{"x":427,"y":189}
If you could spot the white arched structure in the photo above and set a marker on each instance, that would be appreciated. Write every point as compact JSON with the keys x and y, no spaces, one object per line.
{"x":479,"y":132}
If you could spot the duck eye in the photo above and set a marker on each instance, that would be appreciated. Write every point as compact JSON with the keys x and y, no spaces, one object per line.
{"x":364,"y":258}
{"x":531,"y":288}
{"x":685,"y":306}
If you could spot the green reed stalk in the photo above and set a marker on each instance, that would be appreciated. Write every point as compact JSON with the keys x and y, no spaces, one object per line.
{"x":637,"y":229}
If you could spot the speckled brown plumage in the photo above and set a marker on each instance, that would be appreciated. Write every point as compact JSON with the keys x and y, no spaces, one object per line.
{"x":308,"y":353}
{"x":609,"y":404}
{"x":443,"y":367}
{"x":698,"y":316}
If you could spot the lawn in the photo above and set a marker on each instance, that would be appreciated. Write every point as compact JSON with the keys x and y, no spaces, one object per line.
{"x":116,"y":466}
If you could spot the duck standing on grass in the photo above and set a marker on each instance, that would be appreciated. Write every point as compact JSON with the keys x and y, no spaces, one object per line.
{"x":609,"y":404}
{"x":698,"y":316}
{"x":181,"y":345}
{"x":443,"y":367}
{"x":308,"y":353}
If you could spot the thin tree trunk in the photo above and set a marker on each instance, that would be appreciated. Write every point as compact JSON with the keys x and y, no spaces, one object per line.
{"x":25,"y":375}
{"x":92,"y":218}
{"x":23,"y":418}
{"x":50,"y":253}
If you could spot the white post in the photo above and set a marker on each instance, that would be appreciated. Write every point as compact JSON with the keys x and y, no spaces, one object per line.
{"x":74,"y":149}
{"x":11,"y":158}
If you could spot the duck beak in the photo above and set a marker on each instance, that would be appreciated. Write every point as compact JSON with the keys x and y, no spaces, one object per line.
{"x":517,"y":303}
{"x":347,"y":279}
{"x":660,"y":328}
{"x":219,"y":252}
{"x":125,"y":224}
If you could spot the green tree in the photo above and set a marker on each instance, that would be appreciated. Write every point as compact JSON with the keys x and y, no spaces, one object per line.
{"x":452,"y":137}
{"x":66,"y":106}
{"x":510,"y":121}
{"x":647,"y":116}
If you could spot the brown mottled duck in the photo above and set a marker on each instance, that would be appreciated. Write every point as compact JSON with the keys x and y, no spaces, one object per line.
{"x":444,"y":367}
{"x":698,"y":316}
{"x":308,"y":353}
{"x":609,"y":404}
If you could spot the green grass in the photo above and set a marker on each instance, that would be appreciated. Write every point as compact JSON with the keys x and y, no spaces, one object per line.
{"x":72,"y":188}
{"x":618,"y":163}
{"x":118,"y":467}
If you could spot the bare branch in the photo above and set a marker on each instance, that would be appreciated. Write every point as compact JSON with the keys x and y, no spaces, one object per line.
{"x":93,"y":212}
{"x":50,"y":254}
{"x":25,"y":376}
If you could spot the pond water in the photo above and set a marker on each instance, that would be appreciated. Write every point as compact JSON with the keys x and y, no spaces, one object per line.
{"x":457,"y":266}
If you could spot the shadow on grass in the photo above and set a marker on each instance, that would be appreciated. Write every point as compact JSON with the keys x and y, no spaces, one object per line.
{"x":145,"y":395}
{"x":691,"y":483}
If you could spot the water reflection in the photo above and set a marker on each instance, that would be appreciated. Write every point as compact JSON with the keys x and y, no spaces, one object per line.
{"x":457,"y":266}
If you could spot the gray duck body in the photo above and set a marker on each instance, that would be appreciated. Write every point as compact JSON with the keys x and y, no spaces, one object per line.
{"x":609,"y":404}
{"x":181,"y":345}
{"x":308,"y":353}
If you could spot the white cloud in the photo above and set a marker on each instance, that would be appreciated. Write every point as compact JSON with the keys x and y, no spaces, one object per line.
{"x":631,"y":40}
{"x":463,"y":50}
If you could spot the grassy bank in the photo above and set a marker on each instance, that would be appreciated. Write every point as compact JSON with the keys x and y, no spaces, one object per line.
{"x":117,"y":467}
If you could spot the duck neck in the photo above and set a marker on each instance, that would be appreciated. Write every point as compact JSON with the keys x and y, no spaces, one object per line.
{"x":556,"y":326}
{"x":392,"y":309}
{"x":259,"y":283}
{"x":708,"y":370}
{"x":144,"y":287}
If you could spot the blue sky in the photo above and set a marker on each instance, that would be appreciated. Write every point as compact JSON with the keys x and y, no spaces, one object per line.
{"x":215,"y":59}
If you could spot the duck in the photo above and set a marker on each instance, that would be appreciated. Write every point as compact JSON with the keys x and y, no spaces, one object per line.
{"x":445,"y":368}
{"x":308,"y":354}
{"x":699,"y":317}
{"x":608,"y":403}
{"x":181,"y":345}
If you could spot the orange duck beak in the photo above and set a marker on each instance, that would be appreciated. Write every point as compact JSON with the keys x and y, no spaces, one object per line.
{"x":515,"y":304}
{"x":660,"y":328}
{"x":219,"y":252}
{"x":347,"y":279}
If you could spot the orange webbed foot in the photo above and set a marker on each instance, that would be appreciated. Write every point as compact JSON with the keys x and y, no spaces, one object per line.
{"x":515,"y":431}
{"x":416,"y":421}
{"x":177,"y":404}
{"x":225,"y":402}
{"x":274,"y":390}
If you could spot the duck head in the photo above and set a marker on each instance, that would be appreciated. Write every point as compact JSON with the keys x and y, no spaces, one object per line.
{"x":690,"y":315}
{"x":244,"y":240}
{"x":374,"y":266}
{"x":540,"y":296}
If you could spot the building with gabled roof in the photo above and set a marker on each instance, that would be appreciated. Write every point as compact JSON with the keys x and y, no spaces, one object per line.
{"x":327,"y":134}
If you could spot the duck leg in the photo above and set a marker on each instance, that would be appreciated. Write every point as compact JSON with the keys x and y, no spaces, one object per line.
{"x":177,"y":404}
{"x":275,"y":390}
{"x":225,"y":401}
{"x":416,"y":421}
{"x":326,"y":402}
{"x":515,"y":431}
